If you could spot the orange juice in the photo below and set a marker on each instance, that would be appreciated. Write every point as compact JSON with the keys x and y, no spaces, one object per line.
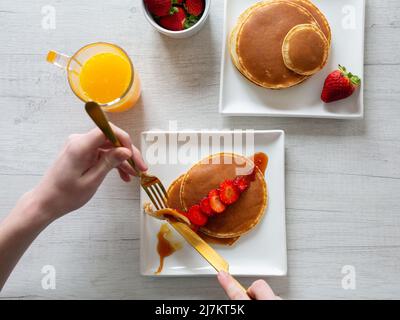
{"x":101,"y":72}
{"x":105,"y":77}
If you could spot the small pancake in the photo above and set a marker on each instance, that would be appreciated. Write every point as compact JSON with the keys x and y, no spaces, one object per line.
{"x":305,"y":49}
{"x":174,"y":202}
{"x":238,"y":218}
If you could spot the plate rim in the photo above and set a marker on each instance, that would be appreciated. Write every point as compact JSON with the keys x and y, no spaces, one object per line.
{"x":356,"y":116}
{"x":284,"y":270}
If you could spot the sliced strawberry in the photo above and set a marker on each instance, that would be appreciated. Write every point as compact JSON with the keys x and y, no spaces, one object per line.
{"x":197,"y":217}
{"x":242,"y":183}
{"x":215,"y":201}
{"x":228,"y":193}
{"x":175,"y":21}
{"x":194,"y":7}
{"x":206,"y":207}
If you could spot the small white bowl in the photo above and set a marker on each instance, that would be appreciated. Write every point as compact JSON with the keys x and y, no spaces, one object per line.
{"x":179,"y":34}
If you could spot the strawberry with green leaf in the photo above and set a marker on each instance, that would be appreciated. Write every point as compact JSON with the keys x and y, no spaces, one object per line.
{"x":339,"y":85}
{"x":175,"y":21}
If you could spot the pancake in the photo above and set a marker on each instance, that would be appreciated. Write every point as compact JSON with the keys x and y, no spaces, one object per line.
{"x":174,"y":202}
{"x":318,"y":16}
{"x":220,"y":241}
{"x":259,"y":39}
{"x":238,"y":218}
{"x":266,"y":23}
{"x":305,"y":49}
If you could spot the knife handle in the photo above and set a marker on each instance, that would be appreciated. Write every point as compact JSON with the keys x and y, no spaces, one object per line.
{"x":204,"y":249}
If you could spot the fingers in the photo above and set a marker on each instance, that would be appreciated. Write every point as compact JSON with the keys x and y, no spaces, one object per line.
{"x":81,"y":147}
{"x":93,"y":139}
{"x":126,"y":167}
{"x":231,"y":287}
{"x":96,"y":139}
{"x":138,"y":159}
{"x":122,"y":136}
{"x":126,"y":142}
{"x":124,"y":176}
{"x":260,"y":290}
{"x":108,"y":161}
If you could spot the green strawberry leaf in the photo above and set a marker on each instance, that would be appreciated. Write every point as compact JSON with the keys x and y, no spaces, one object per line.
{"x":191,"y":20}
{"x":173,"y":10}
{"x":353,"y":78}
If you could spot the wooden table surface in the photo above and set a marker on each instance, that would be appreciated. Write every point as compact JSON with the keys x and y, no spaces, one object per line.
{"x":342,"y":177}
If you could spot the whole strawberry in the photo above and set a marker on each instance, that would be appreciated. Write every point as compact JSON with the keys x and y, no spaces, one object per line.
{"x":339,"y":85}
{"x":175,"y":21}
{"x":194,"y":7}
{"x":159,"y":8}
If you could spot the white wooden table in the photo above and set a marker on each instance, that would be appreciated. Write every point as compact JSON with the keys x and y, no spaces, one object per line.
{"x":343,"y":177}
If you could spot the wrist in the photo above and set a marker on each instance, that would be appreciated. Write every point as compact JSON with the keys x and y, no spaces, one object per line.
{"x":33,"y":210}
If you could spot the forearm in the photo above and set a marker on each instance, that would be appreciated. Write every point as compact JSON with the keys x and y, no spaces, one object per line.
{"x":18,"y":230}
{"x":68,"y":185}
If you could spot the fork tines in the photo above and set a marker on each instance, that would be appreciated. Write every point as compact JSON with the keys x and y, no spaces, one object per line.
{"x":156,"y":192}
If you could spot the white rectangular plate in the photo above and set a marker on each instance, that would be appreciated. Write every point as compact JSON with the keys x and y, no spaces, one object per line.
{"x":262,"y":252}
{"x":240,"y":97}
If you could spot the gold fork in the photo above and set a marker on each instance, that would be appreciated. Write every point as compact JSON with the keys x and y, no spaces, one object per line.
{"x":150,"y":184}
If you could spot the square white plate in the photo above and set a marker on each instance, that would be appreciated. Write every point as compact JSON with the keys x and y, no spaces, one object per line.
{"x":240,"y":97}
{"x":262,"y":252}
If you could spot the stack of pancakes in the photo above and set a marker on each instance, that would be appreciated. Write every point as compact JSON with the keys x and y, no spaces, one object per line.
{"x":239,"y":218}
{"x":277,"y":44}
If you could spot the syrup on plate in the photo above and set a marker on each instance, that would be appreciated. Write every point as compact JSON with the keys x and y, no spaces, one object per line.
{"x":260,"y":159}
{"x":166,"y":246}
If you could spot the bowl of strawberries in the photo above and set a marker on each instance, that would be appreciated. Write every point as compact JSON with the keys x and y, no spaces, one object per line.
{"x":177,"y":18}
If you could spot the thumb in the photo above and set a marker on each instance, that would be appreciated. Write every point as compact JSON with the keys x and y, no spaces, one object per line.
{"x":232,"y":288}
{"x":108,"y":161}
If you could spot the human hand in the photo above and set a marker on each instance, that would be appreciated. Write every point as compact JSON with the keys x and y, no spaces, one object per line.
{"x":81,"y":167}
{"x":259,"y":290}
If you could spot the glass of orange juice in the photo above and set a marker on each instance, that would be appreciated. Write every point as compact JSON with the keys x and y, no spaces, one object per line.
{"x":101,"y":72}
